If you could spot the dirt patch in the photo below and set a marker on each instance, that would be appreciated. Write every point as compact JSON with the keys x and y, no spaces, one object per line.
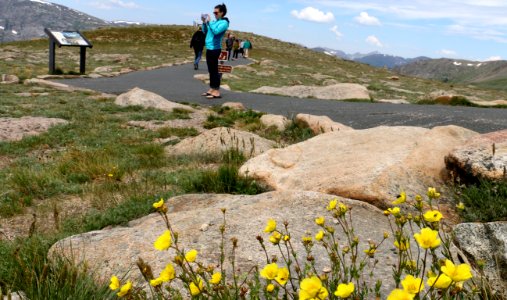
{"x":43,"y":218}
{"x":14,"y":129}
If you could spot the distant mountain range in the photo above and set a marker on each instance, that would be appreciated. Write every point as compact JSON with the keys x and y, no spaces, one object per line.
{"x":26,"y":19}
{"x":489,"y":74}
{"x":375,"y":59}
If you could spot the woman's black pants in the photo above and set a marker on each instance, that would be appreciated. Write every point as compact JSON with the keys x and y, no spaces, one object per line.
{"x":212,"y":61}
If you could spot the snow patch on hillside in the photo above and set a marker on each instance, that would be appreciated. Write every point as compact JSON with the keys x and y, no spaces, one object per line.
{"x":42,"y":2}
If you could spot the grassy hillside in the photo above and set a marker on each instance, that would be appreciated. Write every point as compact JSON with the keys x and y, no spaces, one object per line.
{"x":482,"y":74}
{"x":277,"y":63}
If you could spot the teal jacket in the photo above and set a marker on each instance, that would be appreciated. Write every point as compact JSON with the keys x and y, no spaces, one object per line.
{"x":215,"y":31}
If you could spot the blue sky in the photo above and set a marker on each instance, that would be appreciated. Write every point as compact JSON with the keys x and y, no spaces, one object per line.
{"x":468,"y":29}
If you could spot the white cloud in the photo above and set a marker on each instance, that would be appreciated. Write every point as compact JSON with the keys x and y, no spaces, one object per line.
{"x":373,"y":40}
{"x":336,"y":32}
{"x":447,"y":52}
{"x":313,"y":15}
{"x":111,"y":4}
{"x":365,"y":19}
{"x":494,"y":58}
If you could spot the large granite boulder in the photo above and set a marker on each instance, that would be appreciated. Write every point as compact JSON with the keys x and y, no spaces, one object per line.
{"x":15,"y":129}
{"x":222,"y":139}
{"x":371,"y":165}
{"x":340,"y":91}
{"x":146,"y":99}
{"x":483,"y":156}
{"x":486,"y":243}
{"x":278,"y":121}
{"x":320,"y":124}
{"x":197,"y":219}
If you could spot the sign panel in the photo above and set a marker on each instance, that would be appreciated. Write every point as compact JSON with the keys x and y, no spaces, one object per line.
{"x":70,"y":38}
{"x":224,"y":69}
{"x":223,"y":55}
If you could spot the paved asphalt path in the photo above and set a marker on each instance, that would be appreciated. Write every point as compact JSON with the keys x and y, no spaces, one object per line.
{"x":177,"y":84}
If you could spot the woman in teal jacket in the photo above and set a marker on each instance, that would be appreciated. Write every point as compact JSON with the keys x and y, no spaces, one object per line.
{"x":215,"y":31}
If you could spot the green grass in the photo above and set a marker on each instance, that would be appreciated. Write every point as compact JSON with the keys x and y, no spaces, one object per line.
{"x":484,"y":201}
{"x":26,"y":264}
{"x":229,"y":117}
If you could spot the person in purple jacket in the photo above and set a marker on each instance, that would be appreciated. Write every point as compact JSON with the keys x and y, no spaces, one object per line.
{"x":214,"y":31}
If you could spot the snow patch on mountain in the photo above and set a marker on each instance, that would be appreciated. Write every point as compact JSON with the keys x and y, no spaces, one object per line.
{"x":42,"y":2}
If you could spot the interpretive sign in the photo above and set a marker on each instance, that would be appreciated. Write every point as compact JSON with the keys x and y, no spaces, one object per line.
{"x":223,"y":55}
{"x":224,"y":69}
{"x":67,"y":39}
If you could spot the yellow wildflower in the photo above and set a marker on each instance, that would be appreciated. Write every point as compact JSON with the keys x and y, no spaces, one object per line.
{"x":110,"y":175}
{"x":158,"y":204}
{"x":270,"y":287}
{"x":412,"y":284}
{"x":319,"y":236}
{"x":344,"y":290}
{"x":286,"y":238}
{"x":115,"y":283}
{"x":427,"y":238}
{"x":370,"y":252}
{"x":168,"y":273}
{"x":163,"y":242}
{"x":403,"y":245}
{"x":343,"y":208}
{"x":270,"y":226}
{"x":460,"y":206}
{"x":282,"y":276}
{"x":432,"y":193}
{"x":402,"y":198}
{"x":398,"y":294}
{"x":306,"y":239}
{"x":125,"y":289}
{"x":392,"y":211}
{"x":191,"y":255}
{"x":156,"y":282}
{"x":320,"y":221}
{"x":196,"y":289}
{"x":432,"y":216}
{"x":332,"y":204}
{"x":456,"y":273}
{"x":216,"y":278}
{"x":440,"y":282}
{"x":311,"y":288}
{"x":275,"y":238}
{"x":270,"y":271}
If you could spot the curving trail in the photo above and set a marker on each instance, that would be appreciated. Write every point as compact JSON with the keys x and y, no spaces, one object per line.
{"x":177,"y":84}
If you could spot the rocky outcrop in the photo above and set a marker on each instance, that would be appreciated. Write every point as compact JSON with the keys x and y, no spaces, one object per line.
{"x":486,"y":243}
{"x":8,"y":79}
{"x":56,"y":85}
{"x":221,"y":139}
{"x":15,"y":129}
{"x":280,"y":122}
{"x":197,"y":219}
{"x":340,"y":91}
{"x":146,"y":99}
{"x":234,"y":105}
{"x":320,"y":124}
{"x":483,"y":156}
{"x":372,"y":165}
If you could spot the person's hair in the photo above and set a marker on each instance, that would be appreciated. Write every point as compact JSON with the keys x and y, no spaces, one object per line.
{"x":222,"y":8}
